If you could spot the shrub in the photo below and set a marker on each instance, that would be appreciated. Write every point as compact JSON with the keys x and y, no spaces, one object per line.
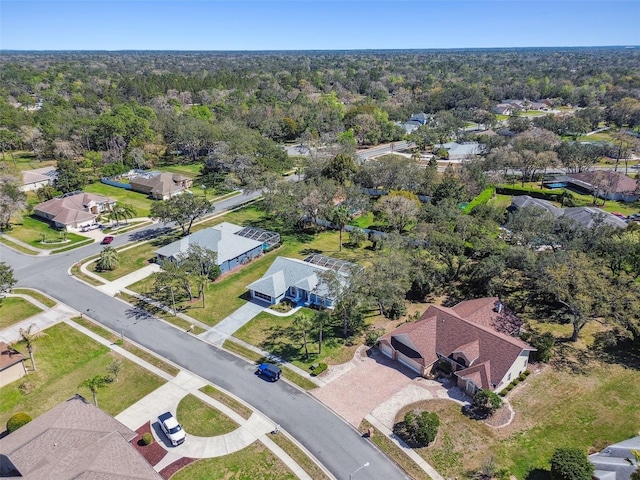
{"x":522,"y":377}
{"x":319,"y":369}
{"x":503,"y":393}
{"x":486,"y":402}
{"x":515,"y":381}
{"x":481,"y":199}
{"x":18,"y":420}
{"x":420,"y":428}
{"x":509,"y":387}
{"x":147,"y":438}
{"x":372,"y":336}
{"x":570,"y":464}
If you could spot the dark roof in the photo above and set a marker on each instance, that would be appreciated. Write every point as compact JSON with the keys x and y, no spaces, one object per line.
{"x":442,"y":331}
{"x":73,"y":440}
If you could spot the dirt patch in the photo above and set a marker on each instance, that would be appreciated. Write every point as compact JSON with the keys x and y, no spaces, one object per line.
{"x":152,"y":453}
{"x":172,"y":468}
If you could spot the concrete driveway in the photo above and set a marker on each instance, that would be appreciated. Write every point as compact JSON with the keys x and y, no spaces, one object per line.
{"x":372,"y":383}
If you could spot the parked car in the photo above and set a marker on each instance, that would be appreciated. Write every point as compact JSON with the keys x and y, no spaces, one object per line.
{"x":269,"y":370}
{"x":107,"y":240}
{"x":88,"y":228}
{"x":172,"y":429}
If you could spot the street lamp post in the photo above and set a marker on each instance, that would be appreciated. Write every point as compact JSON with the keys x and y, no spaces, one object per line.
{"x":358,"y":469}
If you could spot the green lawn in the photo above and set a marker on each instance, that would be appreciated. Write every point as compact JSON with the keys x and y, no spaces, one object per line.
{"x":31,"y":230}
{"x":14,"y":310}
{"x":554,"y":408}
{"x":129,"y":260}
{"x":141,"y":202}
{"x":23,"y":160}
{"x":65,"y":358}
{"x":597,"y":137}
{"x":242,"y":410}
{"x":201,"y":419}
{"x":45,"y":300}
{"x":278,"y":336}
{"x":253,"y":462}
{"x":229,"y":293}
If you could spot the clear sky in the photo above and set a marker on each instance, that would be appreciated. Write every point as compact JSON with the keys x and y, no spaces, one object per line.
{"x":314,"y":24}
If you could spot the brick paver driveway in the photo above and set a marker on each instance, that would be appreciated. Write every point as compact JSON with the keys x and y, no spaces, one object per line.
{"x":373,"y":380}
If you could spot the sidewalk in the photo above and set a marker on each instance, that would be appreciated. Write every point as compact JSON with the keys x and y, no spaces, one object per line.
{"x":49,"y":317}
{"x":228,"y":326}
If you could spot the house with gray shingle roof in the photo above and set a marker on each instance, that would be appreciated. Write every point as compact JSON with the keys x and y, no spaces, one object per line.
{"x":74,"y":210}
{"x":160,"y":185}
{"x":460,"y":151}
{"x":481,"y":355}
{"x":300,"y":281}
{"x":226,"y":239}
{"x":616,"y":462}
{"x":73,"y":440}
{"x":34,"y":179}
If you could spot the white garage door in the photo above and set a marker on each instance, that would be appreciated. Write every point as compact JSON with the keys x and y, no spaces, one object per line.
{"x":409,"y":362}
{"x":387,"y":350}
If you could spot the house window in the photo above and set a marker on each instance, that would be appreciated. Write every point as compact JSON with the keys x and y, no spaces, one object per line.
{"x":509,"y":376}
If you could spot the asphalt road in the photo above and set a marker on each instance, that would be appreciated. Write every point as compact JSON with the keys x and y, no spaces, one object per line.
{"x":335,"y":443}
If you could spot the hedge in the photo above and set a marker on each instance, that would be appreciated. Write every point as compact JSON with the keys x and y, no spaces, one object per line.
{"x":544,"y":194}
{"x":481,"y":199}
{"x":319,"y":369}
{"x":18,"y":420}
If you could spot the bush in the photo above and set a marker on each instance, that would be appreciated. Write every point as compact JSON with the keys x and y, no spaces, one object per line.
{"x":372,"y":336}
{"x":486,"y":402}
{"x":570,"y":464}
{"x":420,"y":428}
{"x":503,"y":393}
{"x":515,"y":381}
{"x":319,"y":369}
{"x":522,"y":377}
{"x":18,"y":420}
{"x":481,"y":199}
{"x":147,"y":438}
{"x":509,"y":387}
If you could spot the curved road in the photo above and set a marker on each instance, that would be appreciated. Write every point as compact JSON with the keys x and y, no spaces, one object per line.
{"x":335,"y":443}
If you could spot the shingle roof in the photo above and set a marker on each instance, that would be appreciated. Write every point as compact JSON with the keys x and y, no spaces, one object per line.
{"x":163,"y":184}
{"x":522,"y":201}
{"x":38,"y":175}
{"x":616,"y":182}
{"x":74,"y":440}
{"x":588,"y":217}
{"x":220,"y":238}
{"x":287,"y":272}
{"x":72,"y":208}
{"x":9,"y":356}
{"x":441,"y":331}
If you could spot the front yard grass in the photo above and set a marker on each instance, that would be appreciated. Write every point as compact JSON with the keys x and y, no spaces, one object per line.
{"x":554,"y":408}
{"x":45,"y":300}
{"x":254,"y":461}
{"x":202,"y":420}
{"x":31,"y":230}
{"x":65,"y":358}
{"x":241,"y":409}
{"x":278,"y":336}
{"x":16,"y":309}
{"x":299,"y":456}
{"x":129,"y":260}
{"x":141,"y":202}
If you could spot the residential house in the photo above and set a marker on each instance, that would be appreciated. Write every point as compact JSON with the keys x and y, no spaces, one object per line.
{"x":160,"y":185}
{"x":301,"y":280}
{"x":74,"y":210}
{"x":588,"y":217}
{"x":410,"y":126}
{"x":421,"y":118}
{"x":34,"y":179}
{"x":616,"y":462}
{"x":73,"y":440}
{"x":474,"y":338}
{"x":233,"y":244}
{"x":606,"y":184}
{"x":460,"y":151}
{"x":503,"y":109}
{"x":12,"y":365}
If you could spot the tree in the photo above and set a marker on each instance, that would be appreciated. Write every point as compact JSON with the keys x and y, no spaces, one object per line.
{"x":486,"y":401}
{"x":303,"y":323}
{"x":108,"y":259}
{"x":96,"y":383}
{"x":202,"y":263}
{"x":70,"y":178}
{"x":398,"y":209}
{"x":340,"y":217}
{"x":357,"y":236}
{"x":125,"y":211}
{"x":12,"y":200}
{"x":570,"y":464}
{"x":7,"y":280}
{"x":420,"y":428}
{"x":320,"y":319}
{"x":183,"y":209}
{"x":29,"y":337}
{"x":46,"y":192}
{"x":114,"y":368}
{"x":340,"y":169}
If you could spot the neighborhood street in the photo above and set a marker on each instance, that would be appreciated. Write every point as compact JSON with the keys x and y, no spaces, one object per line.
{"x":335,"y":443}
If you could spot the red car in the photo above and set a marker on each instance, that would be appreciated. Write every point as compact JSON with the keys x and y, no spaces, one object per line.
{"x":107,"y":240}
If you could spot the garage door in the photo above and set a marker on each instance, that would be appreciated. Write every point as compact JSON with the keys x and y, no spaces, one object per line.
{"x":409,"y":362}
{"x":387,"y":350}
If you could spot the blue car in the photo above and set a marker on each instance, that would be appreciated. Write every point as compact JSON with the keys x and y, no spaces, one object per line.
{"x":270,"y":371}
